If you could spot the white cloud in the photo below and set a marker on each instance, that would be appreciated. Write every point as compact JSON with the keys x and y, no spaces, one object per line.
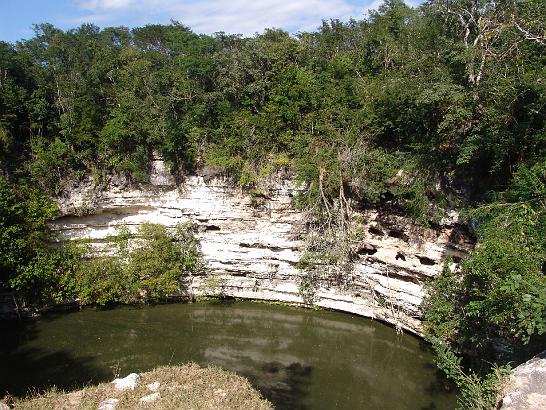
{"x":94,"y":5}
{"x":238,"y":16}
{"x":234,"y":16}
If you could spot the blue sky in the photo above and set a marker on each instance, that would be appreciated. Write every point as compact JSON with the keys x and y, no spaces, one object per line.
{"x":203,"y":16}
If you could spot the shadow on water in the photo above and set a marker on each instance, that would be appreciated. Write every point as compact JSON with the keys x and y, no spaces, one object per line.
{"x":440,"y":384}
{"x":222,"y":302}
{"x":287,"y":387}
{"x":25,"y":369}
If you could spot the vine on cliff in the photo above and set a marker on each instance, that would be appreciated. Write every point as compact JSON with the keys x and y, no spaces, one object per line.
{"x":327,"y":255}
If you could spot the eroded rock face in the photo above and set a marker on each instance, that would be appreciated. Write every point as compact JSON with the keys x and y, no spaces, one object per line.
{"x":527,"y":389}
{"x":253,"y":246}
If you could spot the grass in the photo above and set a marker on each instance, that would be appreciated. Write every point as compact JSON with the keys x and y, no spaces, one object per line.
{"x":188,"y":386}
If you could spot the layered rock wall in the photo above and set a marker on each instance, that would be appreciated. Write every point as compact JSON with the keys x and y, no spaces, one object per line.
{"x":252,"y":247}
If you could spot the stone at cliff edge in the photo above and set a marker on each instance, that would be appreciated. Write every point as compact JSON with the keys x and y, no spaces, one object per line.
{"x":527,"y":388}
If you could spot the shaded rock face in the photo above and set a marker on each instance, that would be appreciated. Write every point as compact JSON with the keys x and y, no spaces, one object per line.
{"x":527,"y":388}
{"x":253,"y":246}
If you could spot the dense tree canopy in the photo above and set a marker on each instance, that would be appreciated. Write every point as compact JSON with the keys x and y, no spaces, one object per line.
{"x":453,"y":88}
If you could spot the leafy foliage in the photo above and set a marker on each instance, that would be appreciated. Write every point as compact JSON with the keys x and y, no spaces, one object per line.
{"x":476,"y":393}
{"x":501,"y":291}
{"x":23,"y":230}
{"x":499,"y":296}
{"x":150,"y":265}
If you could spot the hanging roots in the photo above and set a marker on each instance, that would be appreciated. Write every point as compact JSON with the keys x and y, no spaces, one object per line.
{"x":327,"y":251}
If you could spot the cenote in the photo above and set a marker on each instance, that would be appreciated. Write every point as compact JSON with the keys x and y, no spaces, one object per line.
{"x":297,"y":358}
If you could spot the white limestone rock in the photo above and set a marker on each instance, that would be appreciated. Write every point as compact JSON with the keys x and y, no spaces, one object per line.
{"x":127,"y":383}
{"x":527,"y":388}
{"x":159,"y":173}
{"x":150,"y":398}
{"x":254,"y":249}
{"x":108,"y":404}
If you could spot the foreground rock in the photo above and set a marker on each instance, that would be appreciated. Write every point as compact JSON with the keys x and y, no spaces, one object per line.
{"x":527,"y":388}
{"x":150,"y":398}
{"x":127,"y":383}
{"x":108,"y":404}
{"x":251,"y":243}
{"x":178,"y":387}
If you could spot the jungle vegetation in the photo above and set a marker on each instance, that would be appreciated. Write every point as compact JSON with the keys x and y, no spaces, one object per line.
{"x":417,"y":109}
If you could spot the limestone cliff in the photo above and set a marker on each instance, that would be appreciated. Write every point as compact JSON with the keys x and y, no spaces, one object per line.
{"x":253,"y":248}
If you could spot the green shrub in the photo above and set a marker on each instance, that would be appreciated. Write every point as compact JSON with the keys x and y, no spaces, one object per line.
{"x":103,"y":280}
{"x":475,"y":392}
{"x":48,"y":276}
{"x":26,"y":263}
{"x":51,"y":162}
{"x":500,"y":292}
{"x":149,"y":264}
{"x":498,"y":296}
{"x":157,"y":264}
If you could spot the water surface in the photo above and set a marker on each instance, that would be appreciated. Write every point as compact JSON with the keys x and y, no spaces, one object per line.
{"x":299,"y":359}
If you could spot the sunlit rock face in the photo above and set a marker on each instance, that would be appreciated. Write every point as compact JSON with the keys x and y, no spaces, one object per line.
{"x":253,"y":246}
{"x":525,"y":390}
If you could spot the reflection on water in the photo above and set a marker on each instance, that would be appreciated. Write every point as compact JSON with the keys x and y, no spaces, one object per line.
{"x":299,"y":359}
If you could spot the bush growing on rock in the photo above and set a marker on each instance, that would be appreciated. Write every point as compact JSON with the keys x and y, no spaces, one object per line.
{"x":147,"y":265}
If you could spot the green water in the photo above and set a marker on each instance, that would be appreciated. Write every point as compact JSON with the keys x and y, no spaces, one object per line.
{"x":299,"y":359}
